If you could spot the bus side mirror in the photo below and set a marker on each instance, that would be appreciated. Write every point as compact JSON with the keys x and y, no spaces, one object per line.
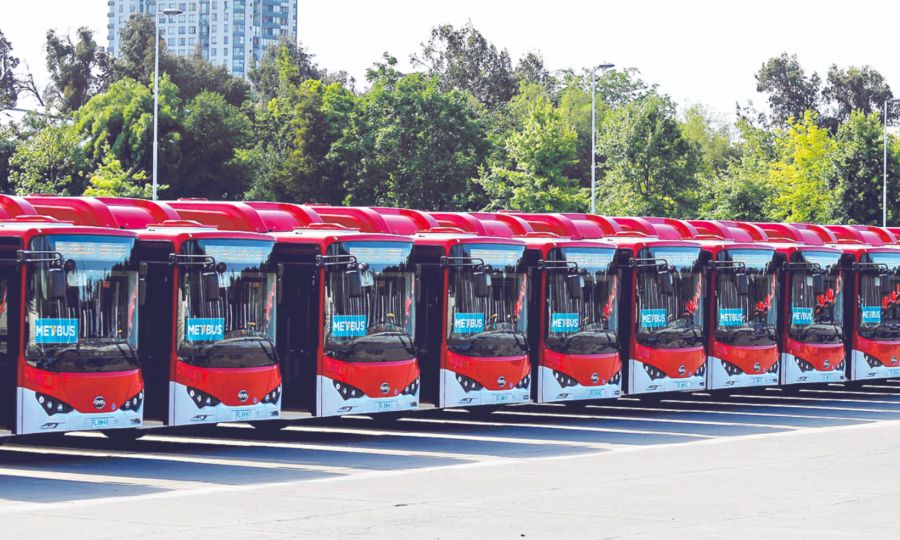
{"x":209,"y":282}
{"x":742,"y":281}
{"x":354,"y":283}
{"x":482,"y":284}
{"x":666,"y":283}
{"x":56,"y":284}
{"x":142,"y":284}
{"x":818,"y":284}
{"x":575,"y":286}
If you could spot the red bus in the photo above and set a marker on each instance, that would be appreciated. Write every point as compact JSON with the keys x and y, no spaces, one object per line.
{"x":662,"y":298}
{"x":812,"y":283}
{"x":740,"y":323}
{"x":472,"y":321}
{"x":69,"y":303}
{"x":572,"y":307}
{"x":347,"y":323}
{"x":207,"y":338}
{"x":872,"y":311}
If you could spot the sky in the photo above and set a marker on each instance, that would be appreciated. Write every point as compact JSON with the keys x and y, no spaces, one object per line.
{"x":698,"y":52}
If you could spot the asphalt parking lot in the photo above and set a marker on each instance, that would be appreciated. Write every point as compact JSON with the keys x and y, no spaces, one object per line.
{"x":821,"y":463}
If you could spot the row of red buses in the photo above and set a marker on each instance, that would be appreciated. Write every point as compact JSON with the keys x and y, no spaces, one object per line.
{"x":193,"y":311}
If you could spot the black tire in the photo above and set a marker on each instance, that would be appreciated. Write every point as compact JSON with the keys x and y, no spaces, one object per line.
{"x":124,"y":435}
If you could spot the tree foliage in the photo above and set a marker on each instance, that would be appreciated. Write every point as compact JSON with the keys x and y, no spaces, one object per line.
{"x":789,"y":90}
{"x":9,"y":90}
{"x":78,"y":69}
{"x":112,"y":180}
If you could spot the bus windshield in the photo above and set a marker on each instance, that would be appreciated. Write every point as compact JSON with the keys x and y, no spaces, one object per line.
{"x":817,"y":315}
{"x":90,"y":324}
{"x":879,"y":299}
{"x":487,"y":305}
{"x":746,"y":316}
{"x":585,"y":321}
{"x":377,"y":323}
{"x":670,"y":317}
{"x":235,"y":326}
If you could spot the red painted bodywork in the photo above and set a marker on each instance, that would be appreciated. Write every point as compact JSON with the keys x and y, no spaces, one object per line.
{"x":226,"y":383}
{"x":369,"y":377}
{"x":747,"y":357}
{"x":816,"y":353}
{"x":670,"y":361}
{"x":583,"y":367}
{"x":488,"y":370}
{"x":80,"y":389}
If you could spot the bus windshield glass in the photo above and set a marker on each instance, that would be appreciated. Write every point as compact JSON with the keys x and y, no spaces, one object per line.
{"x":82,"y":311}
{"x":670,"y":298}
{"x":226,"y":307}
{"x":746,"y":297}
{"x":879,"y":298}
{"x":581,"y":302}
{"x":487,"y":304}
{"x":374,"y":322}
{"x":817,"y":298}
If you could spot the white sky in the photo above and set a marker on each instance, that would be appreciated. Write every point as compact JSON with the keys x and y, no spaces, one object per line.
{"x":697,"y":51}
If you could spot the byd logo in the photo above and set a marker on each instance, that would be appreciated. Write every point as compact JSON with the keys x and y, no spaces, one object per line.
{"x":385,"y":388}
{"x":99,"y":402}
{"x":595,"y":378}
{"x":243,"y":396}
{"x":682,"y":370}
{"x":757,"y":367}
{"x":501,"y":381}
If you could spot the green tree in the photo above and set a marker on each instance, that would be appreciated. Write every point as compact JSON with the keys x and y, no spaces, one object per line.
{"x":464,"y":59}
{"x":533,"y":178}
{"x":287,"y":57}
{"x":78,"y":69}
{"x":112,"y":180}
{"x":137,"y":44}
{"x":9,"y":141}
{"x":790,"y":92}
{"x":411,"y":144}
{"x":649,"y":168}
{"x":120,"y":121}
{"x":50,"y":161}
{"x":212,"y":132}
{"x":803,"y":175}
{"x":9,"y":87}
{"x":855,"y":89}
{"x":297,"y":130}
{"x":859,"y":161}
{"x":742,"y":190}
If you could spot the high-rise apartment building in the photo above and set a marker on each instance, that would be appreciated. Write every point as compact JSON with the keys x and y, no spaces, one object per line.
{"x":230,"y":33}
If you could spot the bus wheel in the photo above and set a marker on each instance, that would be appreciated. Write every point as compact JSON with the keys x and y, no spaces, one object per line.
{"x":124,"y":435}
{"x":270,"y":427}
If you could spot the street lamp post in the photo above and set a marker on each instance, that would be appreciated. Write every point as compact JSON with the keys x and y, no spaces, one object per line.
{"x":887,"y":104}
{"x":594,"y":132}
{"x":168,"y":12}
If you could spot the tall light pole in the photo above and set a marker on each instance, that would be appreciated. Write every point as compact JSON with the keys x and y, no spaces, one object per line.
{"x":594,"y":132}
{"x":887,"y":104}
{"x":168,"y":12}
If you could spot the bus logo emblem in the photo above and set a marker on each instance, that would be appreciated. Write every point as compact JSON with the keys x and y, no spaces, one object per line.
{"x":99,"y":402}
{"x":757,"y":367}
{"x":682,"y":370}
{"x":243,"y":396}
{"x":501,"y":381}
{"x":385,"y":388}
{"x":595,"y":378}
{"x":827,"y":364}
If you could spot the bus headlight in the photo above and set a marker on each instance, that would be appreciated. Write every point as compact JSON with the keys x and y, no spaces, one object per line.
{"x":701,"y":371}
{"x":563,"y":379}
{"x":803,"y":364}
{"x":526,"y":380}
{"x":202,"y":399}
{"x":617,"y":378}
{"x":346,"y":391}
{"x":774,"y":368}
{"x":51,"y":405}
{"x":273,"y":396}
{"x":872,"y":361}
{"x":731,"y":369}
{"x":134,"y":402}
{"x":411,"y":389}
{"x":468,"y":384}
{"x":653,"y":372}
